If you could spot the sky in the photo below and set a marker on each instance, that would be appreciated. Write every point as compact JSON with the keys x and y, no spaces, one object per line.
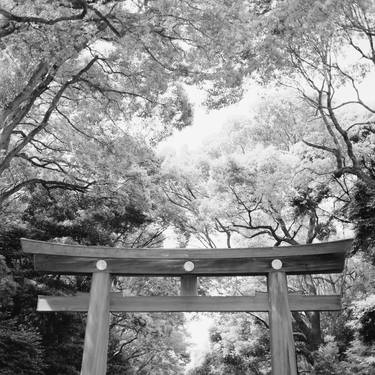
{"x":207,"y":123}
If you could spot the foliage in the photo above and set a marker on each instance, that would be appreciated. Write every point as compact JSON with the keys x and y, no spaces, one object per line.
{"x":239,"y":345}
{"x":312,"y":42}
{"x":21,"y":350}
{"x":363,"y":319}
{"x":51,"y":338}
{"x":86,"y":68}
{"x":361,"y":213}
{"x":250,"y":186}
{"x":327,"y":360}
{"x":94,"y":220}
{"x":245,"y":185}
{"x":359,"y":355}
{"x":147,"y":343}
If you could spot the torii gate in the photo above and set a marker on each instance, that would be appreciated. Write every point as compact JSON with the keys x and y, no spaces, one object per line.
{"x":189,"y":264}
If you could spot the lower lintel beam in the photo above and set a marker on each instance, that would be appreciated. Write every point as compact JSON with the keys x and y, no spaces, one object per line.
{"x":257,"y":303}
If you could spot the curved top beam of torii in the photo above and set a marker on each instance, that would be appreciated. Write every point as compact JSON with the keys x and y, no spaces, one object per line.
{"x":328,"y":257}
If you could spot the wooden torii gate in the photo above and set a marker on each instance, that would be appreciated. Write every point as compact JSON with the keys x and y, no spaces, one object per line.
{"x":189,"y":264}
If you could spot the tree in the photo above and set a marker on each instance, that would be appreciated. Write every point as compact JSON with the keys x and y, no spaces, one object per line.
{"x":239,"y":345}
{"x":361,"y":212}
{"x":325,"y":51}
{"x":238,"y":192}
{"x":358,"y":355}
{"x":310,"y":42}
{"x":35,"y":343}
{"x":119,"y":212}
{"x":238,"y":186}
{"x":87,"y":66}
{"x":138,"y":341}
{"x":20,"y":351}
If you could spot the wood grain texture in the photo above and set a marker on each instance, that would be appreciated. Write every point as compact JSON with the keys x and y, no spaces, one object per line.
{"x":94,"y":360}
{"x":283,"y":355}
{"x":189,"y":285}
{"x":49,"y":248}
{"x":259,"y":302}
{"x":329,"y":262}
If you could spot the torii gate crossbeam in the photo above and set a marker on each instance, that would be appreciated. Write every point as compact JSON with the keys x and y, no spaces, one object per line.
{"x":188,"y":264}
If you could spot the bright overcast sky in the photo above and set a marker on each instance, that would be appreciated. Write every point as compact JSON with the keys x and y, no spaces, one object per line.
{"x":206,"y":124}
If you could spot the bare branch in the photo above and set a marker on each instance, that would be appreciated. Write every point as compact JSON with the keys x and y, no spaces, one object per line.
{"x":27,"y":19}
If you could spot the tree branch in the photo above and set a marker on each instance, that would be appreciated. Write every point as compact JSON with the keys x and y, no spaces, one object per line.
{"x":48,"y":184}
{"x":31,"y":135}
{"x":26,"y":19}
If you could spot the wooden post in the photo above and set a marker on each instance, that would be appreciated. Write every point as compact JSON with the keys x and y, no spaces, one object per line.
{"x":94,"y":361}
{"x":282,"y":343}
{"x":189,"y":285}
